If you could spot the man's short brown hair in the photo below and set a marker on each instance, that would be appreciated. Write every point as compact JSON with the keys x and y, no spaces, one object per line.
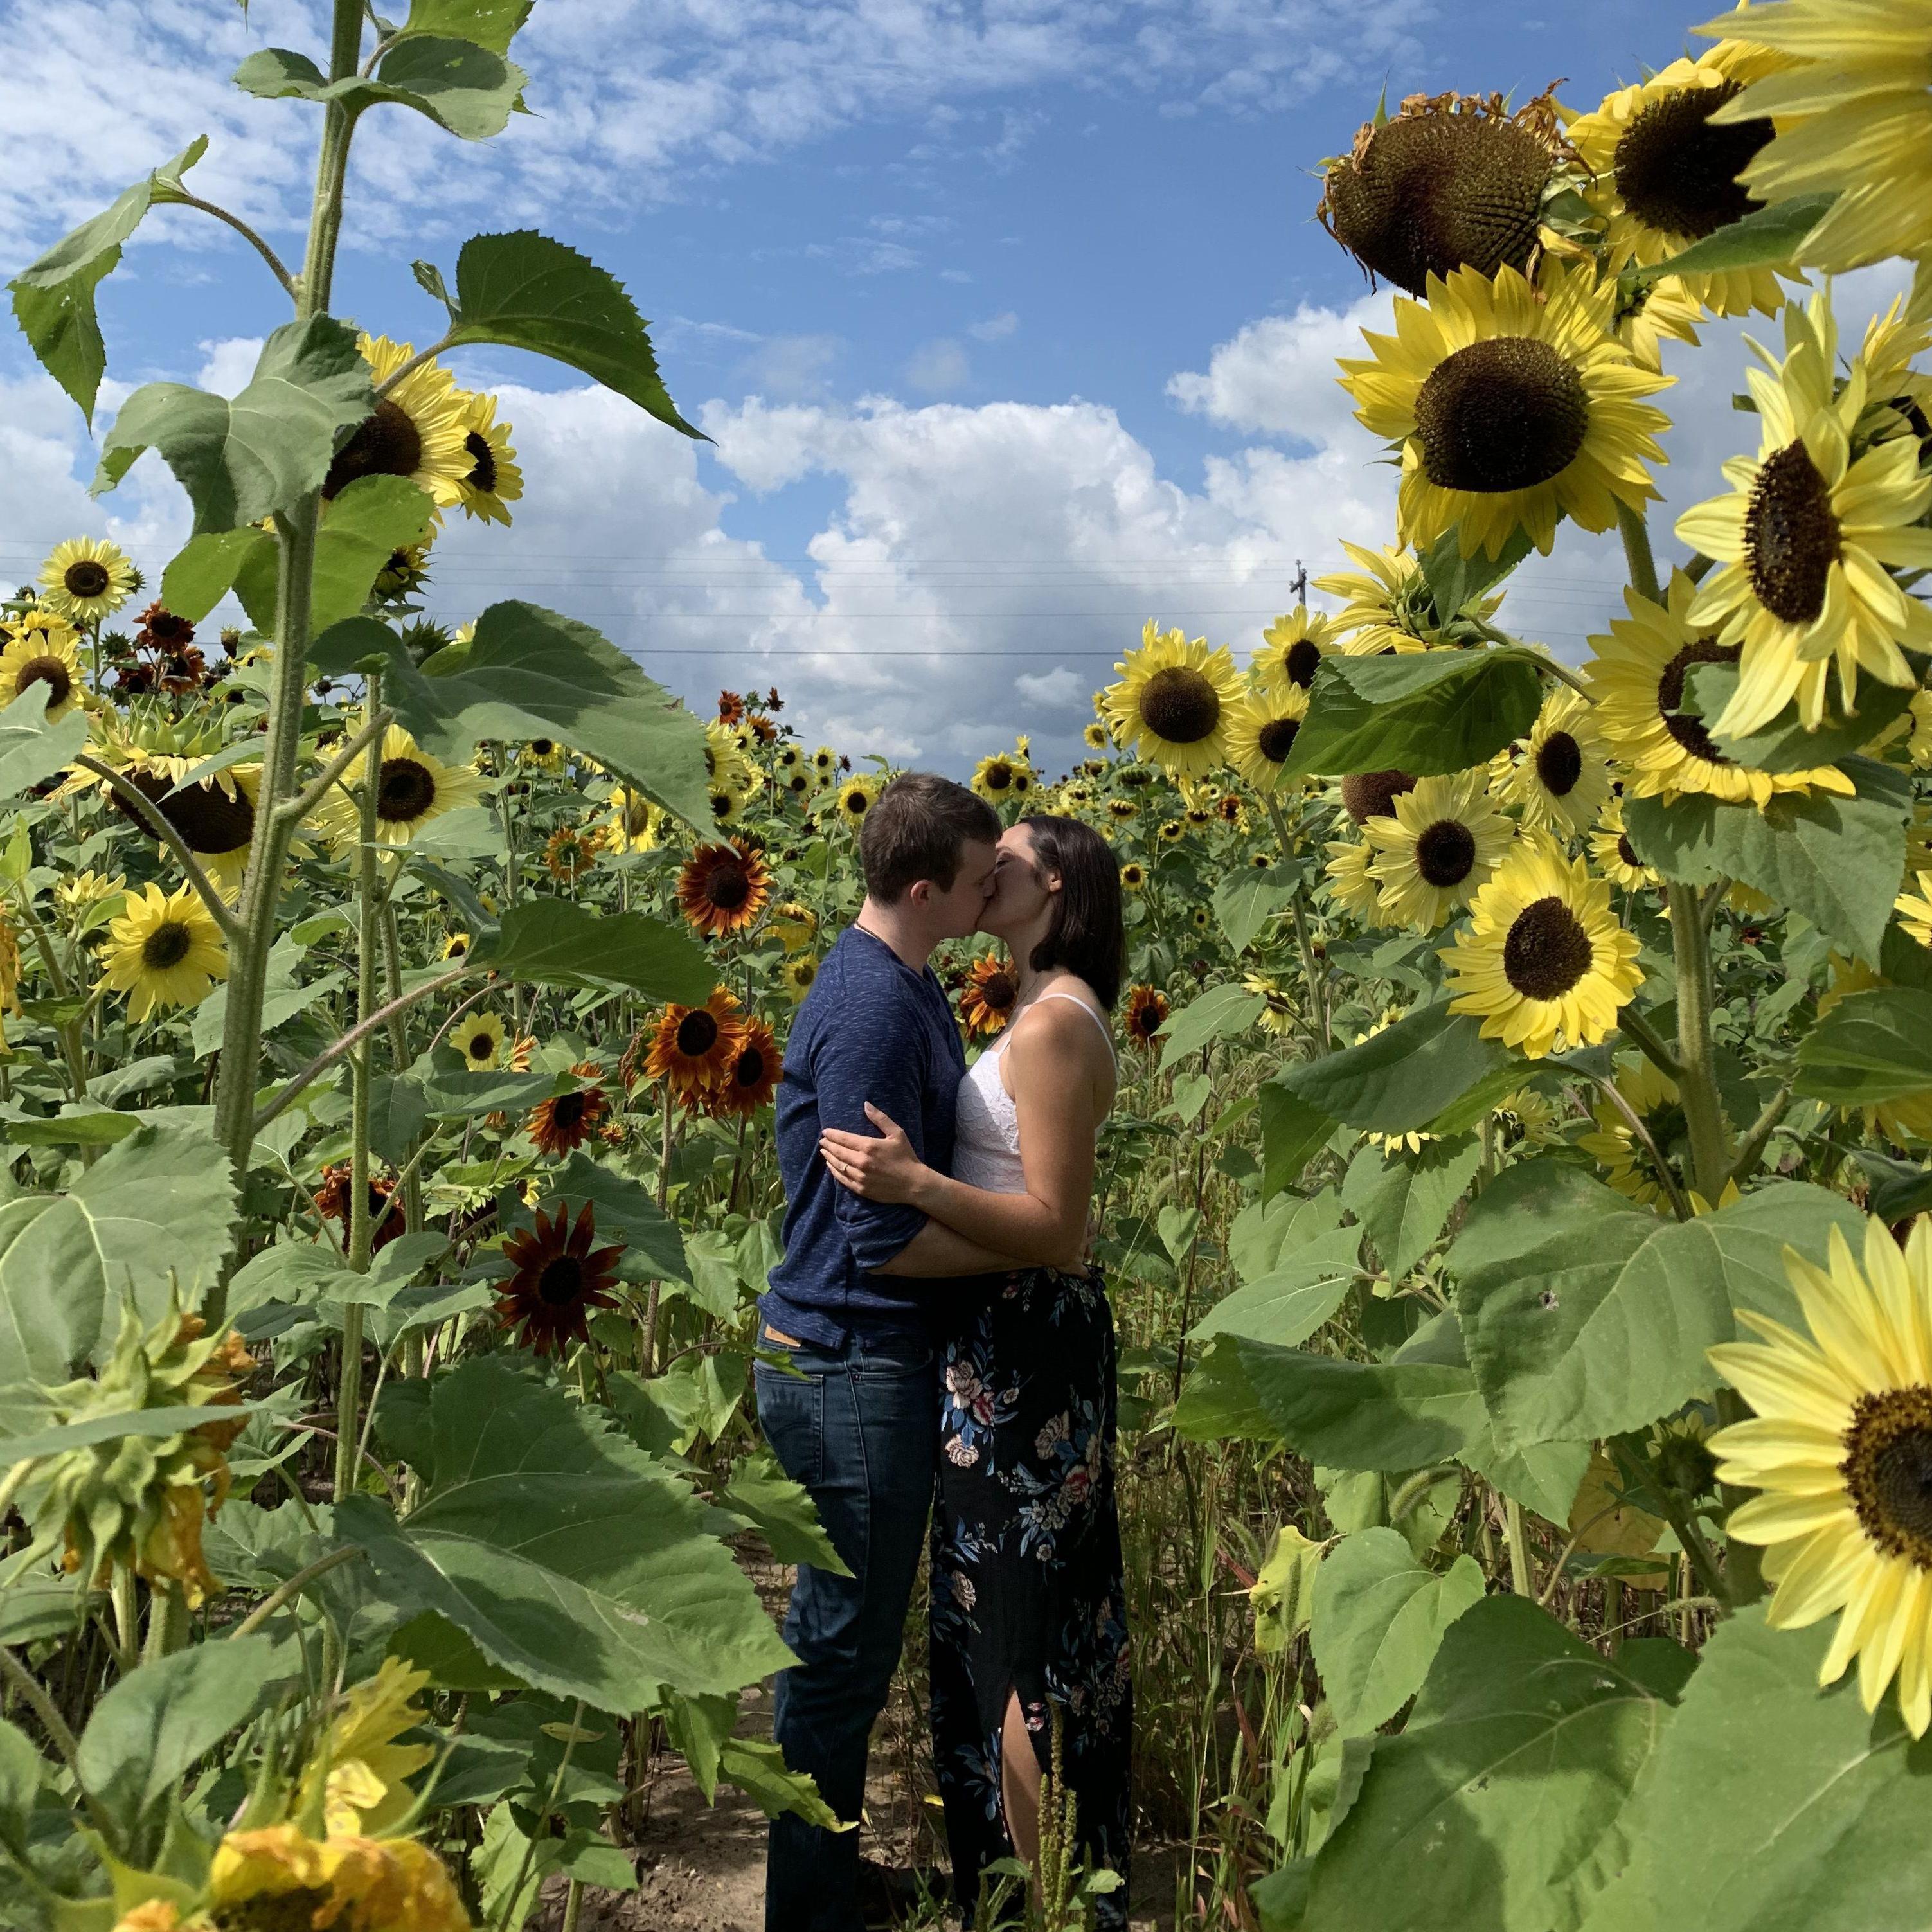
{"x":917,"y":829}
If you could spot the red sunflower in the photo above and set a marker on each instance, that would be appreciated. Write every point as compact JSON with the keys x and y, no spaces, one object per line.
{"x":730,"y":707}
{"x":385,"y":1213}
{"x":566,"y":1120}
{"x":723,"y":889}
{"x":558,"y":1278}
{"x":750,"y":1075}
{"x":1146,"y":1014}
{"x":692,"y":1046}
{"x":986,"y":1000}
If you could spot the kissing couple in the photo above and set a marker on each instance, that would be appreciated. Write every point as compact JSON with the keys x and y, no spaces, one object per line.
{"x":953,"y":1352}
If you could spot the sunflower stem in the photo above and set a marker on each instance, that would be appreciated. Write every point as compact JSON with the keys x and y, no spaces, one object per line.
{"x":149,"y":814}
{"x":184,"y":199}
{"x":1635,"y":531}
{"x":1318,"y":990}
{"x":1697,"y":1078}
{"x":295,"y":809}
{"x":1521,"y":1581}
{"x":69,"y":1031}
{"x":286,"y":1592}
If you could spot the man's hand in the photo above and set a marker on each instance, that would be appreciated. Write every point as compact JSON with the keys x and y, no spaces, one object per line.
{"x":885,"y":1169}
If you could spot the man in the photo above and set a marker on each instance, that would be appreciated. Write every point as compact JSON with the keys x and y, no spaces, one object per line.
{"x":858,"y":1426}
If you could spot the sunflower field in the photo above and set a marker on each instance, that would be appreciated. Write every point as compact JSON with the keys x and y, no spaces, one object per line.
{"x":1516,"y":1209}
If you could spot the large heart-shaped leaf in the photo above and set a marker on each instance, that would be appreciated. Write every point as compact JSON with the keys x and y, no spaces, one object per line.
{"x":1287,"y":1304}
{"x":558,"y":942}
{"x":1871,"y":1047}
{"x":32,"y":748}
{"x":1402,"y":1077}
{"x":1430,"y":712}
{"x":1404,"y":1200}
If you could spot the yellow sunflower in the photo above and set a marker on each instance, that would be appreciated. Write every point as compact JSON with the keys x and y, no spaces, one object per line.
{"x":1914,"y":908}
{"x":357,"y":1772}
{"x":1804,"y":536}
{"x":1172,"y":701}
{"x":494,"y":482}
{"x":42,"y":648}
{"x":1899,"y":395}
{"x":1133,"y":877}
{"x":1838,"y":1446}
{"x":1095,"y":738}
{"x":278,"y":1875}
{"x":1545,"y":964}
{"x":796,"y":975}
{"x":1561,"y":779}
{"x":1614,"y":856}
{"x":215,"y":818}
{"x":417,"y":429}
{"x":1262,"y":731}
{"x":1637,"y":677}
{"x":1513,"y":409}
{"x":87,"y":578}
{"x":1387,"y":604}
{"x":1435,"y":850}
{"x":1350,"y":884}
{"x":1278,"y":1009}
{"x":1666,"y":172}
{"x":854,"y":799}
{"x":164,"y":950}
{"x":1648,"y":312}
{"x":1292,"y":648}
{"x":634,"y":823}
{"x":1001,"y":777}
{"x":413,"y":787}
{"x":478,"y":1037}
{"x":1628,"y":1165}
{"x":1854,"y":119}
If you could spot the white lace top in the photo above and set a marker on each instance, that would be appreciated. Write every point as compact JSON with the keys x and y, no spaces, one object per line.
{"x":986,"y":1135}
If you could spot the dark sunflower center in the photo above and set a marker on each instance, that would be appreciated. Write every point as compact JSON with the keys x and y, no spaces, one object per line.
{"x":543,"y":747}
{"x":999,"y":776}
{"x":728,"y":887}
{"x":1791,"y":536}
{"x":1506,"y":414}
{"x":722,"y":804}
{"x":1180,"y":705}
{"x":996,"y":993}
{"x":483,"y":469}
{"x":1678,"y":172}
{"x":1367,"y":795}
{"x":50,"y":671}
{"x":1302,"y":661}
{"x":1690,"y":732}
{"x":1627,"y":852}
{"x":750,"y":1070}
{"x":405,"y":790}
{"x":1277,"y":739}
{"x":1559,"y":763}
{"x":386,"y":444}
{"x":168,"y":945}
{"x":207,"y":818}
{"x":1888,"y":1470}
{"x":1445,"y":852}
{"x":696,"y":1034}
{"x":282,"y":1911}
{"x":566,"y":1111}
{"x":85,"y":577}
{"x":855,"y":802}
{"x":561,"y":1283}
{"x":478,"y":1046}
{"x":1547,"y":951}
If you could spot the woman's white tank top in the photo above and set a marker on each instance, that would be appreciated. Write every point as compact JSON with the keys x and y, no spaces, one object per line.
{"x":986,"y":1133}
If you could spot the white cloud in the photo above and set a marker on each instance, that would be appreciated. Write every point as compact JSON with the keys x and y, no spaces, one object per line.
{"x":1277,"y":377}
{"x":1054,"y":690}
{"x":937,"y":368}
{"x":229,"y":364}
{"x":995,"y":328}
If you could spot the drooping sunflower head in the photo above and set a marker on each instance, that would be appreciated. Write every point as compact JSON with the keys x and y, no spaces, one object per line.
{"x":164,"y":950}
{"x":1435,"y":848}
{"x":413,"y":787}
{"x":478,"y":1037}
{"x":1562,"y":778}
{"x":1171,"y":703}
{"x":1261,"y":732}
{"x":416,"y":431}
{"x":1513,"y":408}
{"x":1452,"y":181}
{"x":1544,"y":964}
{"x":722,"y":888}
{"x":215,"y":818}
{"x":692,"y":1046}
{"x":1145,"y":1014}
{"x":793,"y":924}
{"x":986,"y":999}
{"x":1613,"y":854}
{"x":750,"y":1075}
{"x":1630,"y":1161}
{"x":87,"y":578}
{"x":492,"y":481}
{"x":42,"y":648}
{"x":1292,"y":648}
{"x":558,"y":1278}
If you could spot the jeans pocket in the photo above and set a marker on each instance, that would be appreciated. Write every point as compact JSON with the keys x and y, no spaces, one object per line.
{"x":791,"y":1412}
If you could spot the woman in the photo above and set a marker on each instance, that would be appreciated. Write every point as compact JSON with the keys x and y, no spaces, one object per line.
{"x":1029,"y":1625}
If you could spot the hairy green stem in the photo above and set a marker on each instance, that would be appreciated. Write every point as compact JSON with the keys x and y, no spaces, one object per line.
{"x":286,"y":1592}
{"x":1638,"y":553}
{"x":1521,"y":1581}
{"x":184,"y":199}
{"x":72,"y":1047}
{"x":1697,"y":1077}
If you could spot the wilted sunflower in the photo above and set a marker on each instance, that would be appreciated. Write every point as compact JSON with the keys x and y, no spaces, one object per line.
{"x":492,"y":481}
{"x":1435,"y":850}
{"x":692,"y":1046}
{"x":416,"y":431}
{"x":478,"y":1037}
{"x":1292,"y":648}
{"x":722,"y":888}
{"x":1638,"y":676}
{"x":1804,"y":537}
{"x":1261,"y":732}
{"x":164,"y":950}
{"x":986,"y":1000}
{"x":634,"y":824}
{"x":1854,"y":120}
{"x":1841,"y":1446}
{"x":1452,"y":181}
{"x":87,"y":578}
{"x":793,"y":925}
{"x":1388,"y":606}
{"x":571,"y":851}
{"x":1666,"y":173}
{"x":1171,"y":703}
{"x":1627,"y":1163}
{"x":277,"y":1877}
{"x":1561,"y":779}
{"x":1146,"y":1014}
{"x":1350,"y":883}
{"x":42,"y":648}
{"x":750,"y":1075}
{"x":796,"y":975}
{"x":1512,"y":408}
{"x":1545,"y":964}
{"x":1615,"y":856}
{"x":413,"y":787}
{"x":215,"y":818}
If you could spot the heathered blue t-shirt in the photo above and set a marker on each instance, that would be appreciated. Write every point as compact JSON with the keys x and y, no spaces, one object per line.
{"x":870,"y":1029}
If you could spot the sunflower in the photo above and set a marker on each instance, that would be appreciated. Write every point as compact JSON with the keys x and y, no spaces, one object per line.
{"x":416,"y":431}
{"x":1615,"y":856}
{"x":1278,"y":1009}
{"x":1350,"y":885}
{"x":492,"y":481}
{"x":1562,"y":779}
{"x":726,"y":766}
{"x":1387,"y":604}
{"x":89,"y":888}
{"x":1120,"y":810}
{"x":478,"y":1037}
{"x":1637,"y":677}
{"x":1094,"y":736}
{"x":1629,"y":1168}
{"x":825,"y":761}
{"x":571,"y":851}
{"x":1666,"y":166}
{"x":87,"y":578}
{"x":1262,"y":731}
{"x":457,"y":946}
{"x":1200,"y":918}
{"x":750,"y":1075}
{"x":164,"y":950}
{"x":215,"y":818}
{"x":635,"y":825}
{"x":413,"y":787}
{"x":1839,"y":1445}
{"x":692,"y":1046}
{"x":1133,"y":877}
{"x":1512,"y":408}
{"x":277,"y":1876}
{"x":1854,"y":120}
{"x":854,"y":799}
{"x":1914,"y":908}
{"x":1171,"y":703}
{"x":405,"y":573}
{"x":1002,"y":776}
{"x":793,"y":925}
{"x":1367,"y":795}
{"x":1544,"y":964}
{"x":722,"y":888}
{"x":1146,"y":1014}
{"x":1292,"y":648}
{"x":1804,"y":537}
{"x":332,"y":1199}
{"x":986,"y":1000}
{"x":1648,"y":312}
{"x":796,"y":975}
{"x":357,"y":1774}
{"x":1170,"y":832}
{"x":1437,"y":847}
{"x":542,"y":754}
{"x":42,"y":648}
{"x":566,"y":1120}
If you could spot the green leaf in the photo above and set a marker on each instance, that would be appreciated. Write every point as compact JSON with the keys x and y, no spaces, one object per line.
{"x":1784,"y":745}
{"x":285,"y":996}
{"x":558,"y":942}
{"x":21,"y":1773}
{"x":31,"y":749}
{"x":1379,"y":1619}
{"x":1286,"y":1305}
{"x":98,"y":1429}
{"x":782,"y":1512}
{"x":1871,"y":1047}
{"x":243,"y":460}
{"x":1456,"y":581}
{"x":158,"y":1207}
{"x":1218,"y":1014}
{"x":1404,"y":1200}
{"x":1403,"y":1077}
{"x":369,"y":520}
{"x":1838,"y":861}
{"x":525,"y":291}
{"x":458,"y":1094}
{"x":1246,"y":901}
{"x":1770,"y":239}
{"x":53,"y":300}
{"x":623,"y":1211}
{"x":465,"y":87}
{"x":1218,"y":1402}
{"x":1260,"y":1234}
{"x":1502,"y":1803}
{"x":1427,"y":712}
{"x":204,"y":569}
{"x":757,"y":1768}
{"x":489,"y":23}
{"x":1292,"y":1133}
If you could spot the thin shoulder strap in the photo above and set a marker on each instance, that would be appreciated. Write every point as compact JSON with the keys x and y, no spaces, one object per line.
{"x":1106,"y":1032}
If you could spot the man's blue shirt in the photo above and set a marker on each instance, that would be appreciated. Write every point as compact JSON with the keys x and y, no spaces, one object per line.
{"x":870,"y":1029}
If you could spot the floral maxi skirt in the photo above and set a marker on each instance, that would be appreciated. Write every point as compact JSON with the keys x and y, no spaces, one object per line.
{"x":1028,"y":1594}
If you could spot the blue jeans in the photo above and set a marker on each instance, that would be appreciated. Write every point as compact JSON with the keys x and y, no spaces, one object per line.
{"x":860,"y":1432}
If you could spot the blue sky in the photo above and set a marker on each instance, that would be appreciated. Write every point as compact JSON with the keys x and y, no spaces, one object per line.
{"x":1011,"y":320}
